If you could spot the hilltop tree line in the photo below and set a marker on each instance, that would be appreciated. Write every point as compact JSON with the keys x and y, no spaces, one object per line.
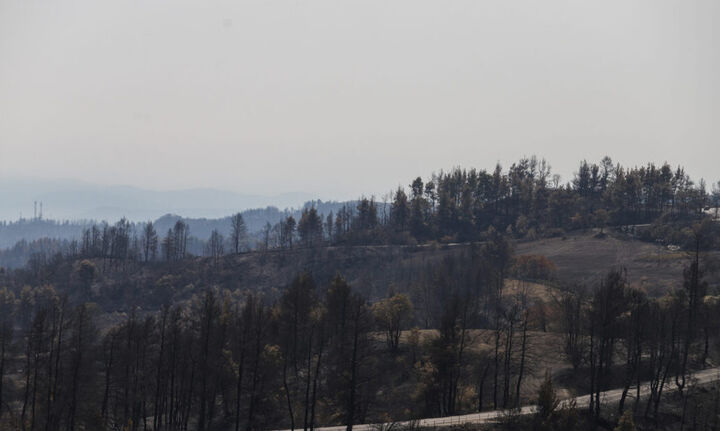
{"x":526,"y":201}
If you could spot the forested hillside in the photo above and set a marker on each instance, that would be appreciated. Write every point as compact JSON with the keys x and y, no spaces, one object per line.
{"x":280,"y":339}
{"x":472,"y":291}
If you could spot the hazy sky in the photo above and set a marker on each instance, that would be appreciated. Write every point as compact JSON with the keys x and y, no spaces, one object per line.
{"x":343,"y":97}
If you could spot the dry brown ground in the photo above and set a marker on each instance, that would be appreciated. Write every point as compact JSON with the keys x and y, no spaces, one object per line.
{"x":533,"y":291}
{"x":582,"y":258}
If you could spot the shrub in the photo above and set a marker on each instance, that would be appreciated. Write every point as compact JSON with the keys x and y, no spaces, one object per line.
{"x":534,"y":267}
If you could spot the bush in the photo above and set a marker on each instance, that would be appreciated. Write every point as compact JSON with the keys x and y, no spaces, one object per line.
{"x":534,"y":267}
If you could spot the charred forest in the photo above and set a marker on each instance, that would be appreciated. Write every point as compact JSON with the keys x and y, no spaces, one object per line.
{"x":470,"y":291}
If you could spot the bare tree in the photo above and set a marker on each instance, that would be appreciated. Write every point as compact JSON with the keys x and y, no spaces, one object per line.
{"x":181,"y":232}
{"x":214,"y":247}
{"x":149,"y":242}
{"x":238,"y":234}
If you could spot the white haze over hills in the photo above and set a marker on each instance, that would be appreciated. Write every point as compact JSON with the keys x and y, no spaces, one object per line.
{"x":351,"y":97}
{"x":77,"y":200}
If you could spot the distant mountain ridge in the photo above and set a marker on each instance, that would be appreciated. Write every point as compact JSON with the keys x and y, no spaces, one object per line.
{"x":77,"y":200}
{"x":200,"y":227}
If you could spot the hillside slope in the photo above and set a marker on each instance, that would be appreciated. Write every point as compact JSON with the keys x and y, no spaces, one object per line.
{"x":580,"y":260}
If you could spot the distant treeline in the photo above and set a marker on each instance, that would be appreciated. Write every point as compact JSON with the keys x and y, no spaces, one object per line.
{"x":21,"y":239}
{"x":12,"y":232}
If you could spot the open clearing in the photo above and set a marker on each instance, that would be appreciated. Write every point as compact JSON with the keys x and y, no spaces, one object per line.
{"x":582,"y":258}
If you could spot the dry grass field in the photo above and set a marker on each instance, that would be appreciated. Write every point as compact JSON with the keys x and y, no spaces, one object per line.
{"x":583,"y":258}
